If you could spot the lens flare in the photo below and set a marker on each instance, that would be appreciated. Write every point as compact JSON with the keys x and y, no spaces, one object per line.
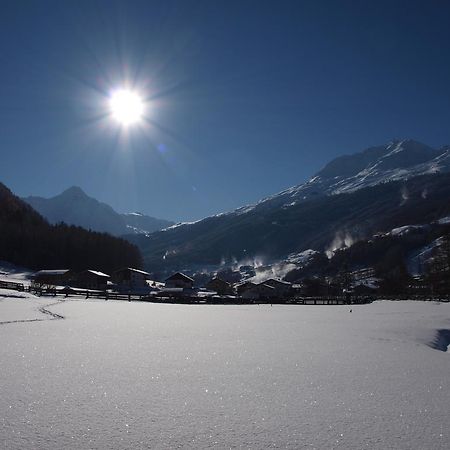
{"x":127,"y":107}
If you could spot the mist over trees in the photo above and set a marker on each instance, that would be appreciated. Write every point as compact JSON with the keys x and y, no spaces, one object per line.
{"x":27,"y":239}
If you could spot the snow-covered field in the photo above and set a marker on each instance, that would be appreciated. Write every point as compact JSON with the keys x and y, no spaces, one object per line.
{"x":139,"y":375}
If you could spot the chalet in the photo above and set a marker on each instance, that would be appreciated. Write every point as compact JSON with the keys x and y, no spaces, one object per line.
{"x":179,"y":280}
{"x":92,"y":279}
{"x":129,"y":279}
{"x":282,"y":288}
{"x":242,"y":287}
{"x":259,"y":292}
{"x":58,"y":277}
{"x":220,"y":286}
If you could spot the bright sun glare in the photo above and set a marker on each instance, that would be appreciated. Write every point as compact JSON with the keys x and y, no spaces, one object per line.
{"x":126,"y":106}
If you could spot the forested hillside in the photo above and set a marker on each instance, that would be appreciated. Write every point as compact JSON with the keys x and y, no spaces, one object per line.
{"x":27,"y":239}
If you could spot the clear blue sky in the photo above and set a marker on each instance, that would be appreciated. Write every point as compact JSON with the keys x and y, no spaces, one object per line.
{"x":247,"y":97}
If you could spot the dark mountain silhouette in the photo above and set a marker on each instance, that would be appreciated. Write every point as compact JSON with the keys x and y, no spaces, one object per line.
{"x":27,"y":239}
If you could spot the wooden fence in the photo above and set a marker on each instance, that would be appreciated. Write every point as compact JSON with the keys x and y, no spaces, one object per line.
{"x":12,"y":286}
{"x":319,"y":300}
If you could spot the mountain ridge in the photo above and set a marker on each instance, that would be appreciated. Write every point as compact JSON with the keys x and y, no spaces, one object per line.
{"x":73,"y":206}
{"x":370,"y":167}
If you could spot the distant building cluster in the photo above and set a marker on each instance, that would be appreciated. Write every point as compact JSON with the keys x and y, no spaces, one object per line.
{"x":224,"y":286}
{"x":138,"y":282}
{"x":122,"y":280}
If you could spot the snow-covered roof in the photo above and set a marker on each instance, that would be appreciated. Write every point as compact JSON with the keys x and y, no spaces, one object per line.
{"x":97,"y":273}
{"x":52,"y":272}
{"x":132,"y":270}
{"x":179,"y":276}
{"x":275,"y":281}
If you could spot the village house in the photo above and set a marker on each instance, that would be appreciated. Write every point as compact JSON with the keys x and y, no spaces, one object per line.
{"x":242,"y":287}
{"x":220,"y":286}
{"x":179,"y":280}
{"x":282,"y":288}
{"x":58,"y":277}
{"x":129,"y":279}
{"x":259,"y":292}
{"x":92,"y":279}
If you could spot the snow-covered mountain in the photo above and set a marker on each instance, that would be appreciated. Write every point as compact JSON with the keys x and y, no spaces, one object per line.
{"x":397,"y":160}
{"x":351,"y":198}
{"x":75,"y":207}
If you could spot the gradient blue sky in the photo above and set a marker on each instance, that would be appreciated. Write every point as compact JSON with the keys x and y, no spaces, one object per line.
{"x":247,"y":97}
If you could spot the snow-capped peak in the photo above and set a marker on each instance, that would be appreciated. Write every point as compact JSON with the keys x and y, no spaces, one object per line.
{"x":397,"y":160}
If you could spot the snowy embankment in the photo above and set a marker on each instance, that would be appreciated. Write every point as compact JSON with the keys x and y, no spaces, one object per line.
{"x":14,"y":274}
{"x":138,"y":375}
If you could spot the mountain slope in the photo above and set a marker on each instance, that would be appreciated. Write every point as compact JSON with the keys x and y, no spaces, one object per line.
{"x":397,"y":160}
{"x":74,"y":207}
{"x":27,"y":239}
{"x":273,"y":234}
{"x":356,"y":195}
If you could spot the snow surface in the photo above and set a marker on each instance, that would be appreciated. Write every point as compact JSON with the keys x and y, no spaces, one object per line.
{"x":444,"y":220}
{"x":401,"y":231}
{"x":180,"y":224}
{"x":140,"y":375}
{"x":138,"y":230}
{"x":303,"y":258}
{"x":373,"y":175}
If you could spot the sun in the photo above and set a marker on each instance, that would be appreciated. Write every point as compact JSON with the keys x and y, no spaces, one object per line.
{"x":126,"y":106}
